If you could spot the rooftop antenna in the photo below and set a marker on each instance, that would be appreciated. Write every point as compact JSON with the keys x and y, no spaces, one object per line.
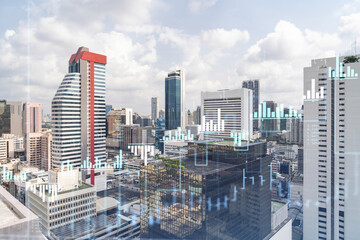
{"x":355,"y":46}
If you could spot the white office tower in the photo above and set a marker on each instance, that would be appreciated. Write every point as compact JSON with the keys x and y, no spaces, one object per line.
{"x":78,"y":112}
{"x":332,"y":149}
{"x":227,"y":113}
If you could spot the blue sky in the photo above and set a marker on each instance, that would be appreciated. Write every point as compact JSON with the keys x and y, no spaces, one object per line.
{"x":219,"y":43}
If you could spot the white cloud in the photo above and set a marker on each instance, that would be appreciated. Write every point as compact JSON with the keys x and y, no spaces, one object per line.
{"x":198,"y":5}
{"x":279,"y":58}
{"x":221,"y":38}
{"x":350,"y":25}
{"x":9,"y":34}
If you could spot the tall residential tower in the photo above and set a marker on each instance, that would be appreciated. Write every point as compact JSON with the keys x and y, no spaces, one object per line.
{"x":331,"y":148}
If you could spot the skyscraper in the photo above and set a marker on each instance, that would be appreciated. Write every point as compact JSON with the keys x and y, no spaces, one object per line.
{"x":197,"y":116}
{"x":31,"y":117}
{"x":175,"y":100}
{"x":231,"y":108}
{"x":162,"y":113}
{"x":255,"y":86}
{"x":154,"y":109}
{"x":10,"y":118}
{"x":331,"y":149}
{"x":78,"y":112}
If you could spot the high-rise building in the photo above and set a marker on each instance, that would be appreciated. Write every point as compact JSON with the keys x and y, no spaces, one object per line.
{"x":220,"y":195}
{"x":162,"y":113}
{"x":283,"y":121}
{"x":331,"y":148}
{"x":3,"y":151}
{"x":301,"y":160}
{"x":31,"y":117}
{"x":159,"y":133}
{"x":294,"y":128}
{"x":231,"y":108}
{"x":14,"y":145}
{"x":255,"y":86}
{"x":33,"y":149}
{"x":127,"y":135}
{"x":154,"y":109}
{"x":197,"y":116}
{"x":11,"y":118}
{"x":146,"y":121}
{"x":78,"y":112}
{"x":175,"y":100}
{"x":269,"y":126}
{"x":46,"y":143}
{"x":119,"y":117}
{"x":108,"y":108}
{"x":189,"y":118}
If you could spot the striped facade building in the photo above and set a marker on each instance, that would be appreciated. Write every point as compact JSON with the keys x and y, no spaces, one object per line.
{"x":78,"y":112}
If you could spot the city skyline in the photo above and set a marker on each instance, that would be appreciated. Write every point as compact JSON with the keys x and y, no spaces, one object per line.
{"x":192,"y":119}
{"x":146,"y":47}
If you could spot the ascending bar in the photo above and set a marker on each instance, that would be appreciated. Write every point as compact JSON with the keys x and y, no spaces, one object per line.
{"x":218,"y":119}
{"x":255,"y":114}
{"x":264,"y":110}
{"x":260,"y":111}
{"x":203,"y":124}
{"x":337,"y":67}
{"x":348,"y":71}
{"x":322,"y":92}
{"x":268,"y":113}
{"x":341,"y":70}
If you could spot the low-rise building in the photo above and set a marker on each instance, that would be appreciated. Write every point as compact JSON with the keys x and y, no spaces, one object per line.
{"x":64,"y":199}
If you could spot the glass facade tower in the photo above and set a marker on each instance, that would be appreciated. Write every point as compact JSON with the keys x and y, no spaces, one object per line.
{"x":174,"y":100}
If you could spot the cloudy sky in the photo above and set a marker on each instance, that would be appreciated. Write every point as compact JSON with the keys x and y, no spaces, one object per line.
{"x":219,"y":43}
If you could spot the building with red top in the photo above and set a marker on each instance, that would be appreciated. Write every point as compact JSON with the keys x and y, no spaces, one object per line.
{"x":78,"y":113}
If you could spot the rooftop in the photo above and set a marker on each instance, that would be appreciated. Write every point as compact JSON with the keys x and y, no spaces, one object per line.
{"x":7,"y":215}
{"x":275,"y":206}
{"x":105,"y":203}
{"x":81,"y":187}
{"x":89,"y":225}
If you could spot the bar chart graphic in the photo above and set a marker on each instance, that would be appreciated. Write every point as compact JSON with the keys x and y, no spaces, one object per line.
{"x":209,"y":126}
{"x":142,"y":150}
{"x":279,"y":113}
{"x":341,"y":72}
{"x":178,"y":136}
{"x":312,"y":94}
